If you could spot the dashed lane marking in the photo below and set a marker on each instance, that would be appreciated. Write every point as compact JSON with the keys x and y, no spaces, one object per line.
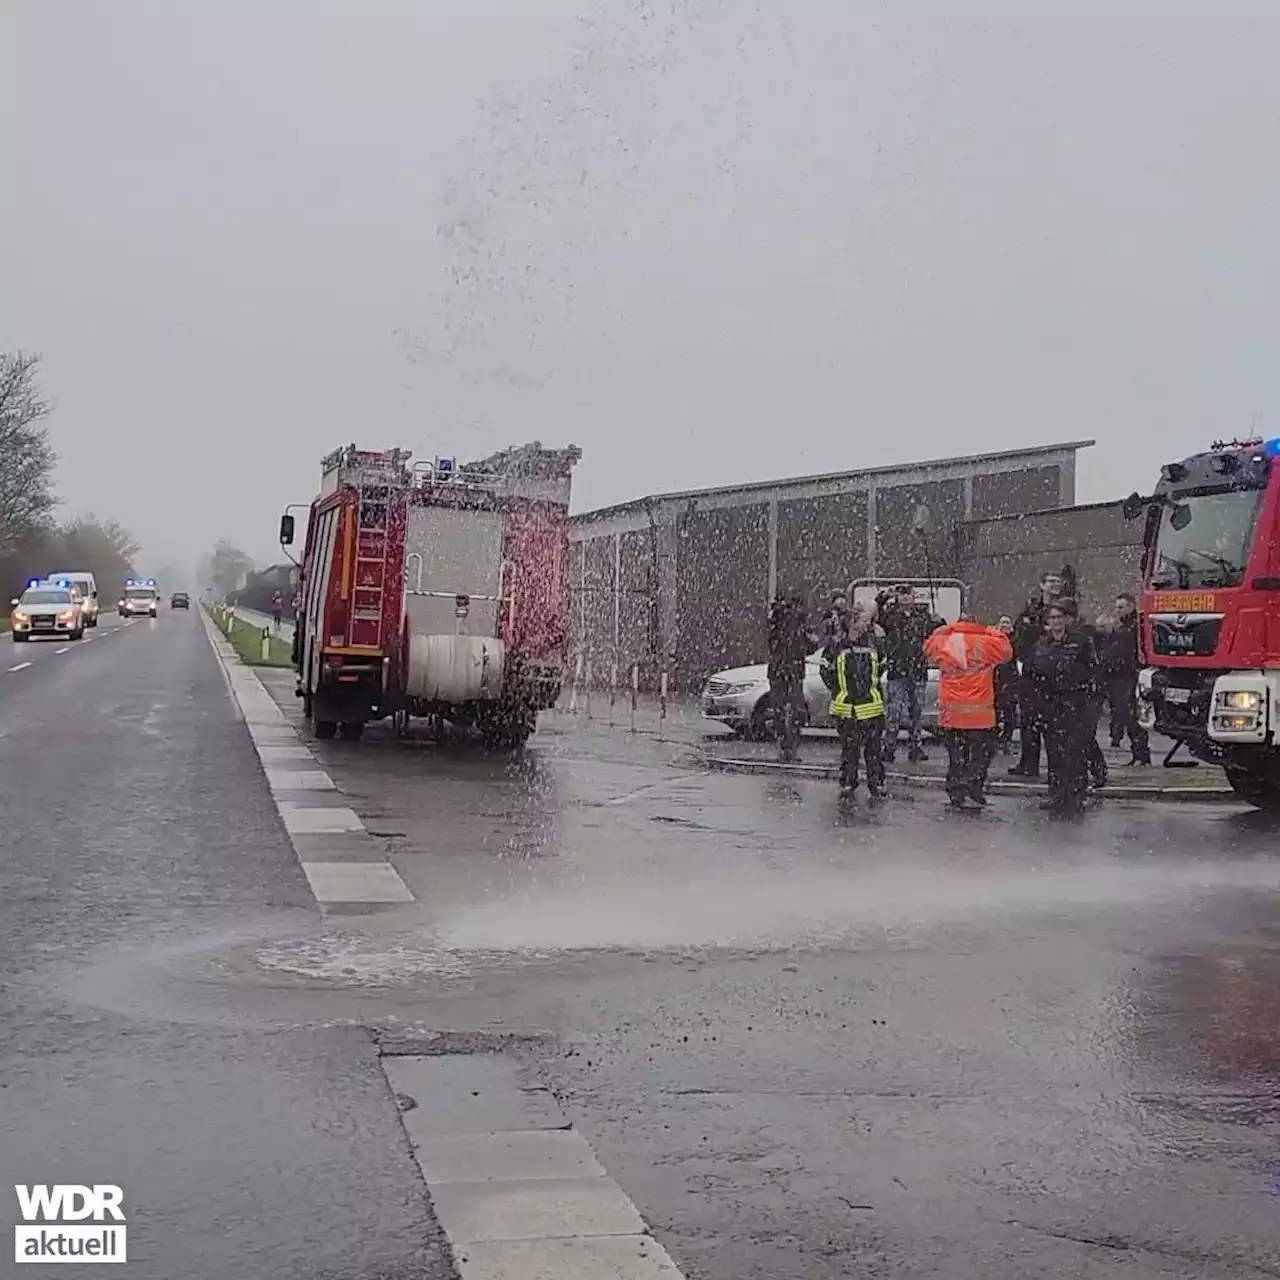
{"x":22,"y":666}
{"x":64,"y":649}
{"x":345,"y":867}
{"x":519,"y":1193}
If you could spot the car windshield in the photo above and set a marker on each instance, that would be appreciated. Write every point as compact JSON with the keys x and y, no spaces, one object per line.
{"x":1204,"y":539}
{"x":46,"y":597}
{"x":139,"y":593}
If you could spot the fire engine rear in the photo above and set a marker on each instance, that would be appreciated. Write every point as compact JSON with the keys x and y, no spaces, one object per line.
{"x":1211,"y":611}
{"x":434,"y":589}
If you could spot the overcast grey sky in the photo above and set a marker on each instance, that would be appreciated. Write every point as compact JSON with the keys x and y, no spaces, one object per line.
{"x":707,"y":241}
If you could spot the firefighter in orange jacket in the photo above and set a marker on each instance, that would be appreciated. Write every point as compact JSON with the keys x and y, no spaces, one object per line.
{"x":966,"y":655}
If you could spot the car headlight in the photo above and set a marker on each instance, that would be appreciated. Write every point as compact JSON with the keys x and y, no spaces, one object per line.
{"x":743,"y":686}
{"x":1240,"y":700}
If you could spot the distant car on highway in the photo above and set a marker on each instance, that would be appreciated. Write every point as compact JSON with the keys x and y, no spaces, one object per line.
{"x":180,"y":600}
{"x":47,"y":610}
{"x":739,"y":699}
{"x":140,"y":600}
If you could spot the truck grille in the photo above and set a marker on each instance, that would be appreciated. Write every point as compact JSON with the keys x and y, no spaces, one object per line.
{"x":1186,"y":635}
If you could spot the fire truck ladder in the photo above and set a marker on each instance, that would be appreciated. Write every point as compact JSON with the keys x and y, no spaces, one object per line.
{"x":370,"y":578}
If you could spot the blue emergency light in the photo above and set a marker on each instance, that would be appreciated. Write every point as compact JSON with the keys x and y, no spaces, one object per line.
{"x":444,"y":468}
{"x":35,"y":582}
{"x":1272,"y":447}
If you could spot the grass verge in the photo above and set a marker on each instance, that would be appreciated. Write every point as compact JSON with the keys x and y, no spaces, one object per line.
{"x":246,"y":640}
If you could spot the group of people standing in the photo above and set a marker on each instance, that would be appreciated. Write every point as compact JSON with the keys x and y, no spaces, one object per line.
{"x":1046,"y":670}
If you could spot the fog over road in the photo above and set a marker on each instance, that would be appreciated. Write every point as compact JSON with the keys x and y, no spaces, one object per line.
{"x":805,"y":1041}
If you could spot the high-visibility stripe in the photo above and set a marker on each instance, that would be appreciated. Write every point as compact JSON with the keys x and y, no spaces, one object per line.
{"x":841,"y":707}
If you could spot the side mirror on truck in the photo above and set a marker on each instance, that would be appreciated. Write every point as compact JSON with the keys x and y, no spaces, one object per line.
{"x":286,"y":531}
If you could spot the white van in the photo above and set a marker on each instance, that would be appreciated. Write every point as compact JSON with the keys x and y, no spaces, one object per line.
{"x":84,"y":583}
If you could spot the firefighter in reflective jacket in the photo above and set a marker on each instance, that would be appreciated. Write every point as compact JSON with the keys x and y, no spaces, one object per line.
{"x":851,"y":669}
{"x":967,"y":655}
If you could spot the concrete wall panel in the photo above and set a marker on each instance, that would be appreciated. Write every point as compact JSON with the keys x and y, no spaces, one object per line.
{"x":822,"y":544}
{"x":900,"y":551}
{"x":722,"y":574}
{"x":1035,"y":489}
{"x":1005,"y":558}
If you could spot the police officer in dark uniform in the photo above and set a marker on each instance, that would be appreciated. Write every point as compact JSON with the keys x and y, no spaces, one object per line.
{"x":1028,"y":628}
{"x":1061,"y":675}
{"x":789,"y":644}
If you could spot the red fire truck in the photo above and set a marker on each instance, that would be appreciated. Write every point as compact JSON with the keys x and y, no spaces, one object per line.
{"x":432,"y":589}
{"x":1210,"y":635}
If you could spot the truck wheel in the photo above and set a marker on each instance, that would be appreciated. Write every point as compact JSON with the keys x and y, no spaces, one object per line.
{"x":351,"y":730}
{"x":324,"y":728}
{"x":1262,"y":790}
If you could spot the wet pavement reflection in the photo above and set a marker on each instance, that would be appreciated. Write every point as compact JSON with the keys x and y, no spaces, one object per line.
{"x":815,"y":1041}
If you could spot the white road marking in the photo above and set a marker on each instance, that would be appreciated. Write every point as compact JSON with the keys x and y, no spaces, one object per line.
{"x":22,"y":666}
{"x":64,"y":649}
{"x":336,"y":884}
{"x":521,"y":1197}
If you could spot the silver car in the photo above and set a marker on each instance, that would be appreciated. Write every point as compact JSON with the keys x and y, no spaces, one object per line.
{"x":46,"y":610}
{"x":739,"y":699}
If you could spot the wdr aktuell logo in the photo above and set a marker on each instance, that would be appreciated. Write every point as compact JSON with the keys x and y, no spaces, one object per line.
{"x":68,"y":1223}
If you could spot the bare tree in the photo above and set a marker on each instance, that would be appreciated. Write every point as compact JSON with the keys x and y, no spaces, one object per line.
{"x":26,"y":456}
{"x":227,"y":568}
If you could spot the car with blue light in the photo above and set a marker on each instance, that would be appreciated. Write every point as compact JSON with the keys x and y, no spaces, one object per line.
{"x":46,"y":609}
{"x":141,"y":599}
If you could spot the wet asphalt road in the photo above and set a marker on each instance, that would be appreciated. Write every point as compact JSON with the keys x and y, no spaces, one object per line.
{"x":135,"y":813}
{"x":808,"y":1042}
{"x":814,"y":1042}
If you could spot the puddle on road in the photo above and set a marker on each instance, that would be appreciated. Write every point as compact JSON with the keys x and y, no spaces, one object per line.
{"x":373,"y":961}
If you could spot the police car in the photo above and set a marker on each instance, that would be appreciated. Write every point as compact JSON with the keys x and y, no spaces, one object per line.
{"x":140,"y":599}
{"x":46,"y":609}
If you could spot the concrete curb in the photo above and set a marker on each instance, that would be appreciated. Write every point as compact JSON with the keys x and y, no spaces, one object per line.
{"x":822,"y":772}
{"x":348,"y":872}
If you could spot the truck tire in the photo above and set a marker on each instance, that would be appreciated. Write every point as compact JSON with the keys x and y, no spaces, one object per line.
{"x":324,"y":728}
{"x":351,"y":730}
{"x":1260,"y":789}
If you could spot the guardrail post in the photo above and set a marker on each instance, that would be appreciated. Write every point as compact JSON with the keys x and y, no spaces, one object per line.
{"x":662,"y":705}
{"x":588,"y":695}
{"x":635,"y":693}
{"x":266,"y":644}
{"x":613,"y":689}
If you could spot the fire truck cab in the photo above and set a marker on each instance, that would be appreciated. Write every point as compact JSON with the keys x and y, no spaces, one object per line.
{"x":1210,"y":611}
